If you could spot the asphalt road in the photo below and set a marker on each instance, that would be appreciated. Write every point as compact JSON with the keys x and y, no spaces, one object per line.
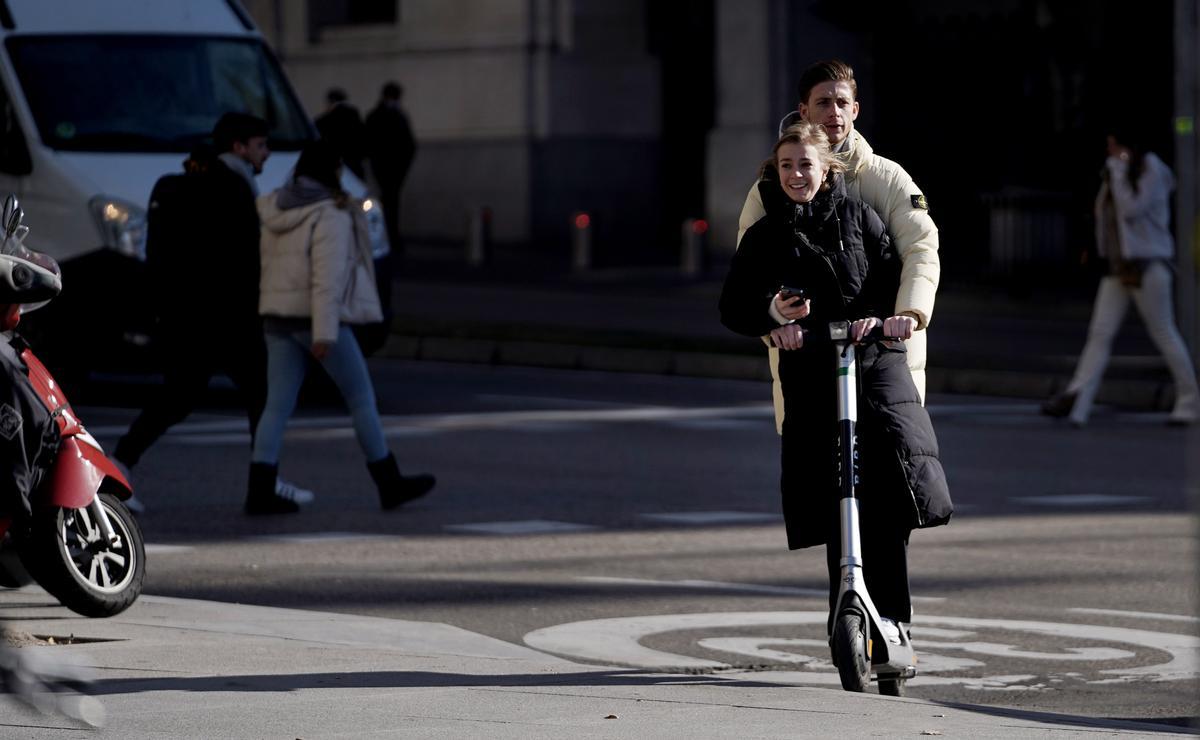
{"x":1066,"y":582}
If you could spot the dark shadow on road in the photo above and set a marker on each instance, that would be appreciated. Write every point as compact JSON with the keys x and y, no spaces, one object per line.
{"x":403,"y":679}
{"x":1181,"y":725}
{"x":579,"y":680}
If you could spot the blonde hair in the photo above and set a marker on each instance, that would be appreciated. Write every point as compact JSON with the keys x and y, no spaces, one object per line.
{"x":806,"y":134}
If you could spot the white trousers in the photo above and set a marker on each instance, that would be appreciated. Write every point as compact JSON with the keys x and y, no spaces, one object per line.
{"x":1154,"y":302}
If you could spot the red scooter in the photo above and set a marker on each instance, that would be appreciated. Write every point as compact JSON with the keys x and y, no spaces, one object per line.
{"x":76,"y":539}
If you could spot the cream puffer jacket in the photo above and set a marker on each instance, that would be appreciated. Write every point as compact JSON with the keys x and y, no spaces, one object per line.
{"x":313,"y":262}
{"x":887,"y":188}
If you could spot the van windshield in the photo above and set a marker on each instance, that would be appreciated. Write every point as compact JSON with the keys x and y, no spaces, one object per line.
{"x":118,"y":93}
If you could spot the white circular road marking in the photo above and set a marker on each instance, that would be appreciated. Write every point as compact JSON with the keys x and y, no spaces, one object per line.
{"x":618,"y":641}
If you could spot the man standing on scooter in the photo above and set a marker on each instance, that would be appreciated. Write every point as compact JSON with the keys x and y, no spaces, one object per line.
{"x":828,"y":97}
{"x":203,"y":265}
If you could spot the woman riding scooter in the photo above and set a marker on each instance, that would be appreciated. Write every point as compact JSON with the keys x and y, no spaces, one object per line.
{"x":834,"y":256}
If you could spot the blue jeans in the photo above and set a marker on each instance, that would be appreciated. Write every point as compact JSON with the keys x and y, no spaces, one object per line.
{"x":287,"y":363}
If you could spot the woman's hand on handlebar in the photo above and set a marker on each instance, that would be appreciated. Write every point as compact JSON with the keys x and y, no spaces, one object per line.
{"x":791,"y":308}
{"x":788,"y":336}
{"x":859,"y":329}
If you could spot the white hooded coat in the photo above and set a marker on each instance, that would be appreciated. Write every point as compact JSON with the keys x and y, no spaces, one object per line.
{"x":313,"y":261}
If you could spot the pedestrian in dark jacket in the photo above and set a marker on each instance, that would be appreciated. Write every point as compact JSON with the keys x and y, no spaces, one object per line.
{"x":391,"y":149}
{"x":342,"y":126}
{"x":203,"y":266}
{"x":818,"y":238}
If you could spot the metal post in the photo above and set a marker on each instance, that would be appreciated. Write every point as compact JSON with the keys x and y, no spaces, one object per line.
{"x":581,"y":242}
{"x":694,"y":255}
{"x":1187,"y":226}
{"x":479,"y":236}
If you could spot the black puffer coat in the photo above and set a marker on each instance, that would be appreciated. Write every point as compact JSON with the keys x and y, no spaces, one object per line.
{"x":202,"y":249}
{"x":837,"y":250}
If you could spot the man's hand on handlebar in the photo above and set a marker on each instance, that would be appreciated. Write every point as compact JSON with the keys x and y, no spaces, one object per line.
{"x":900,"y":327}
{"x":895,"y":327}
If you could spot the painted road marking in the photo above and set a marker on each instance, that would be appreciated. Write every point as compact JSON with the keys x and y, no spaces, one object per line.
{"x":752,"y":588}
{"x":757,"y":649}
{"x":1138,"y":615}
{"x":309,"y":538}
{"x":547,"y":401}
{"x":233,"y":431}
{"x":711,"y":517}
{"x":530,"y":526}
{"x":1084,"y":499}
{"x":717,"y":425}
{"x":619,"y":641}
{"x":152,"y":549}
{"x":756,"y":588}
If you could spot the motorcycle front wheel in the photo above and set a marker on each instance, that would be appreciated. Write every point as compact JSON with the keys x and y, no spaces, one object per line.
{"x":73,"y":562}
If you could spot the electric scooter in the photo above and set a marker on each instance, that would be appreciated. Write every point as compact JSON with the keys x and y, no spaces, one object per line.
{"x":859,"y":644}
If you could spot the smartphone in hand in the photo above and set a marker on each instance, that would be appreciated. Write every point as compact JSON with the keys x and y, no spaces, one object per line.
{"x":787,"y":293}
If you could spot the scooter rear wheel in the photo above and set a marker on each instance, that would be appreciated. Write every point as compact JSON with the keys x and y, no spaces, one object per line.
{"x":850,"y":649}
{"x":70,"y":559}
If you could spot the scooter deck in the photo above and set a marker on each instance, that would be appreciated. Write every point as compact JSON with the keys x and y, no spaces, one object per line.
{"x":898,"y":661}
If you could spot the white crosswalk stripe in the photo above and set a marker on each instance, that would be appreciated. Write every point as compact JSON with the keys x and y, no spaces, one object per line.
{"x":711,"y":517}
{"x":530,"y":526}
{"x":1088,"y":500}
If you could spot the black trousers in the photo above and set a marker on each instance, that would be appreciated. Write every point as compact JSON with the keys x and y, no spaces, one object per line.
{"x":190,"y":357}
{"x":389,"y":197}
{"x":885,"y":568}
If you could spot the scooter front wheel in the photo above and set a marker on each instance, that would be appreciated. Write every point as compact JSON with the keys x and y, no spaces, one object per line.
{"x":850,"y":648}
{"x":73,"y":562}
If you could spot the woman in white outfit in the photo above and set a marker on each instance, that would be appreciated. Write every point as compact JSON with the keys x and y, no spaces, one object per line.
{"x":1133,"y":234}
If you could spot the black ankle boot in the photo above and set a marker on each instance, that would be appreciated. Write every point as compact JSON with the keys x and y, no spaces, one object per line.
{"x":260,"y":493}
{"x":1059,"y":405}
{"x":396,"y":489}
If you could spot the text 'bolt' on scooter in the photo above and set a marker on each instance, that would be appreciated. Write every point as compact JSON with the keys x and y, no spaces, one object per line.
{"x":73,"y":536}
{"x":859,"y":642}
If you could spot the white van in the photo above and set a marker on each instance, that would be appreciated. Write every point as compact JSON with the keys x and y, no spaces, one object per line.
{"x":100,"y":98}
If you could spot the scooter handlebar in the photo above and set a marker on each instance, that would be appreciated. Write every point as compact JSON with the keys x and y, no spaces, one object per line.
{"x":839,"y":332}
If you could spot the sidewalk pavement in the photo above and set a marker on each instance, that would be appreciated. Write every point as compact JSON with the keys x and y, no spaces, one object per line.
{"x":179,"y":668}
{"x":982,"y":340}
